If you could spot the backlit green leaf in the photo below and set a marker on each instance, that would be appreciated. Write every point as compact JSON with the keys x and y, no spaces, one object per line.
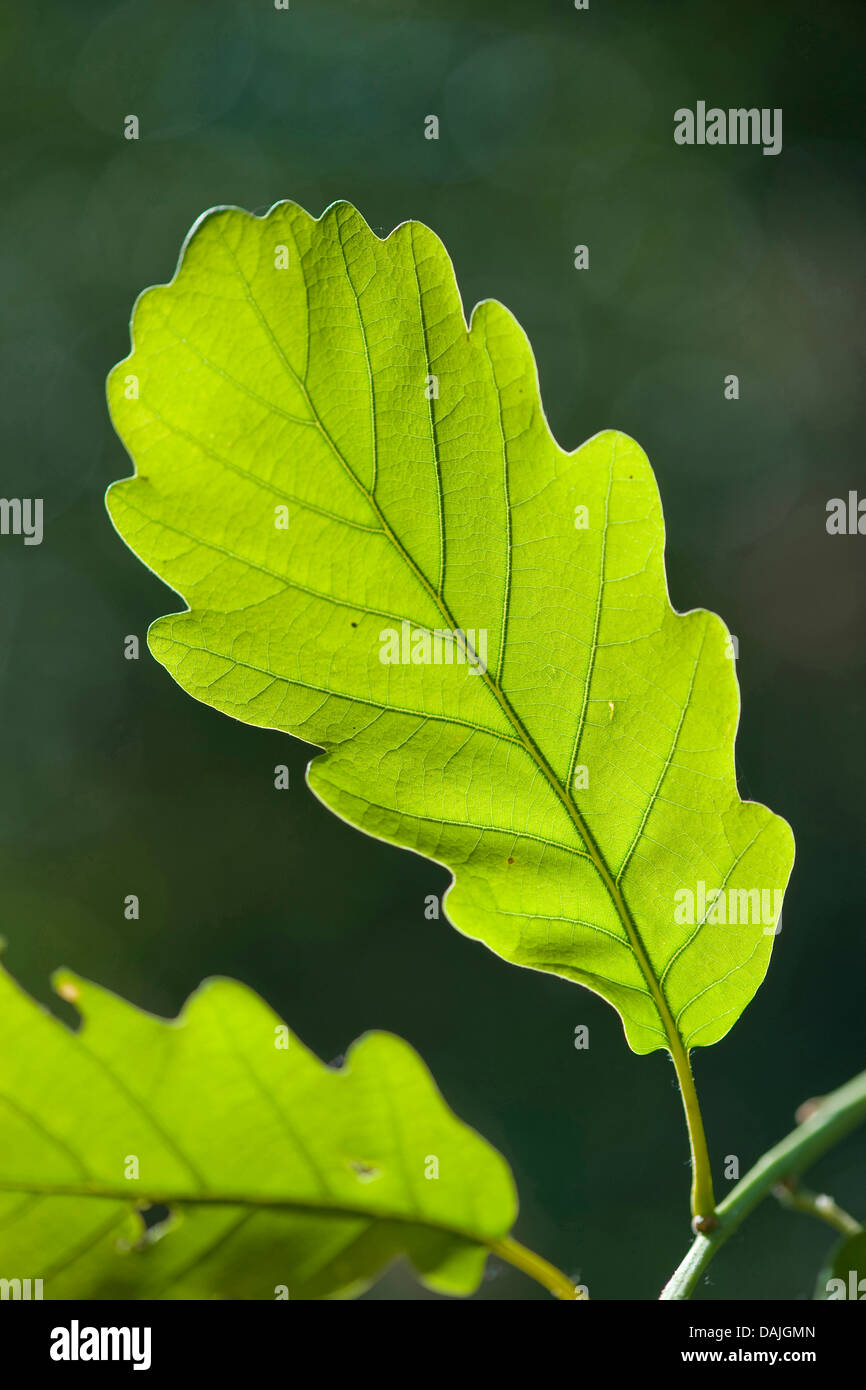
{"x":279,"y":1172}
{"x":571,"y":758}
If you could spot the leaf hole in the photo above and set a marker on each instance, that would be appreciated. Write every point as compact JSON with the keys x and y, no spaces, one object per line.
{"x":154,"y":1214}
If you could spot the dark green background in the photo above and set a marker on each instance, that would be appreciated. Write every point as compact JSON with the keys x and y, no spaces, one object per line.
{"x":556,"y":129}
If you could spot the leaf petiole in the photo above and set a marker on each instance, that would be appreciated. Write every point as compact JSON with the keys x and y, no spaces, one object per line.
{"x":703,"y":1198}
{"x":537,"y":1268}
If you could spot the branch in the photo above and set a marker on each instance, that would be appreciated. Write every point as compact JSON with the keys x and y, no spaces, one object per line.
{"x":834,"y":1117}
{"x":818,"y":1204}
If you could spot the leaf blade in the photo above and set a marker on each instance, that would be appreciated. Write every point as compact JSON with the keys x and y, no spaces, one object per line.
{"x":275,"y":1166}
{"x":447,"y":511}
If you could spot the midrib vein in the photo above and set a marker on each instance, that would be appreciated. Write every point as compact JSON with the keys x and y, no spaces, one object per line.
{"x":108,"y":1192}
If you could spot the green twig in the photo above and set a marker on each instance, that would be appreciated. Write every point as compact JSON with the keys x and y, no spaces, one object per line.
{"x":830,"y":1121}
{"x":818,"y":1204}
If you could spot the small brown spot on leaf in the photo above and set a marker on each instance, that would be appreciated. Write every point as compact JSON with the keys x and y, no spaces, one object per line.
{"x":365,"y":1172}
